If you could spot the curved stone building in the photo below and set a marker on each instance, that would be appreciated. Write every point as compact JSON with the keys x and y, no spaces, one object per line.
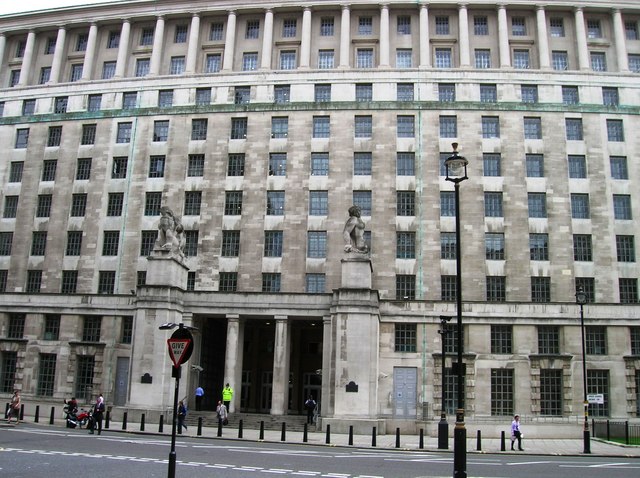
{"x":259,"y":126}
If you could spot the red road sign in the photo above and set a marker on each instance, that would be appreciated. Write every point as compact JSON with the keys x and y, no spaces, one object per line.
{"x":179,"y":350}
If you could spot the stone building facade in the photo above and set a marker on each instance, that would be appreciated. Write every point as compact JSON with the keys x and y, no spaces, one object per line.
{"x":260,"y":126}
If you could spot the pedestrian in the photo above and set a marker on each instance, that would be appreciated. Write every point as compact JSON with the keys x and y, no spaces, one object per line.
{"x":227,"y":395}
{"x":516,"y":434}
{"x":221,"y":410}
{"x":14,"y":407}
{"x":199,"y":396}
{"x":98,"y":411}
{"x":182,"y":414}
{"x":310,"y":405}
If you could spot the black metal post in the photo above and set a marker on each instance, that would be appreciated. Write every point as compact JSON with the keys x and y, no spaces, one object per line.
{"x":586,"y":438}
{"x":161,"y":424}
{"x":172,"y":454}
{"x":142,"y":417}
{"x":443,"y":426}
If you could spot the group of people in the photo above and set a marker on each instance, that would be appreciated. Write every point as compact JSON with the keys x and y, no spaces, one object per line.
{"x":222,"y":408}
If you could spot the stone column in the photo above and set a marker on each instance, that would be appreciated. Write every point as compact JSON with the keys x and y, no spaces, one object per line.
{"x":345,"y":37}
{"x":123,"y":49}
{"x":305,"y":46}
{"x":384,"y":36}
{"x":90,"y":54}
{"x":230,"y":42}
{"x":158,"y":42}
{"x":503,"y":37}
{"x":194,"y":40}
{"x":425,"y":54}
{"x":233,"y":357}
{"x":543,"y":39}
{"x":281,"y":354}
{"x":3,"y":45}
{"x":27,"y":60}
{"x":463,"y":26}
{"x":581,"y":40}
{"x":621,"y":41}
{"x":328,"y":374}
{"x":267,"y":40}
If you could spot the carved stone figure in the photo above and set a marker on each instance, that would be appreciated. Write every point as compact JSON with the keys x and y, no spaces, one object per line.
{"x":170,"y":232}
{"x":353,"y":232}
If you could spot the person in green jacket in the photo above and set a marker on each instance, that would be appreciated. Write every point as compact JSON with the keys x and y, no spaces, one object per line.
{"x":227,"y":395}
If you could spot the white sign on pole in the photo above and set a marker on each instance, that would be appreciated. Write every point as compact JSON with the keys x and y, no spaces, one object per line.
{"x":596,"y":398}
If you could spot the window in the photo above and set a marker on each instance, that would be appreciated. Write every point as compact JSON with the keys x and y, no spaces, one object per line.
{"x":114,"y":204}
{"x":28,"y":107}
{"x":622,"y":206}
{"x":539,"y":246}
{"x":518,"y":27}
{"x":191,"y":243}
{"x":598,"y":382}
{"x":405,"y":245}
{"x":253,"y":29}
{"x":113,"y":40}
{"x":147,"y":242}
{"x":84,"y":375}
{"x":195,"y":166}
{"x":494,"y":246}
{"x":281,"y":94}
{"x":570,"y":95}
{"x":631,"y":30}
{"x":443,"y":58}
{"x":78,"y":205}
{"x":8,"y":371}
{"x":318,"y":203}
{"x":363,"y":126}
{"x":442,"y":25}
{"x":161,"y":130}
{"x":76,"y":73}
{"x":488,"y":93}
{"x":152,"y":203}
{"x":362,"y":199}
{"x":213,"y":63}
{"x":50,"y":46}
{"x":615,"y":131}
{"x":319,"y":164}
{"x":364,"y":58}
{"x":405,"y":126}
{"x":529,"y":93}
{"x":560,"y":60}
{"x":501,"y":339}
{"x":242,"y":95}
{"x":326,"y":26}
{"x":15,"y":171}
{"x":15,"y":329}
{"x":448,"y":293}
{"x":496,"y":288}
{"x":492,"y":204}
{"x":106,"y":282}
{"x":556,"y":27}
{"x":277,"y":164}
{"x":594,"y":29}
{"x":271,"y":282}
{"x":551,"y":392}
{"x":480,"y":25}
{"x":142,"y":67}
{"x":10,"y":207}
{"x":628,"y":289}
{"x":321,"y":127}
{"x":625,"y":248}
{"x":177,"y":65}
{"x":165,"y":98}
{"x":49,"y":167}
{"x":537,"y":204}
{"x":582,"y":250}
{"x":233,"y":203}
{"x":521,"y":59}
{"x":74,"y":243}
{"x":365,"y":25}
{"x":180,"y":35}
{"x":288,"y":60}
{"x":126,"y":335}
{"x":322,"y":92}
{"x":490,"y":127}
{"x":249,"y":61}
{"x":502,"y":391}
{"x":279,"y":127}
{"x":88,"y":134}
{"x":51,"y":326}
{"x":146,"y":37}
{"x":216,"y":33}
{"x":635,"y":340}
{"x":34,"y":281}
{"x":598,"y":61}
{"x":94,"y":102}
{"x":446,"y":92}
{"x":119,"y":169}
{"x":634,"y":63}
{"x":482,"y":58}
{"x":610,"y":96}
{"x":405,"y":164}
{"x":580,"y":206}
{"x":596,"y":339}
{"x":91,"y":328}
{"x":235,"y":164}
{"x":405,"y":287}
{"x":535,"y":165}
{"x":129,"y":100}
{"x":69,"y":284}
{"x":405,"y":203}
{"x":141,"y":278}
{"x":43,"y":209}
{"x":39,"y":243}
{"x":156,"y":166}
{"x":406,"y":337}
{"x":448,"y":127}
{"x":448,"y":245}
{"x":317,"y":244}
{"x":619,"y":168}
{"x":315,"y":283}
{"x":124,"y":133}
{"x":404,"y":92}
{"x":404,"y":58}
{"x":228,"y":282}
{"x":532,"y":128}
{"x":203,"y":96}
{"x":447,"y":204}
{"x":108,"y":70}
{"x":230,"y":244}
{"x":289,"y":28}
{"x":540,"y":289}
{"x":273,"y":243}
{"x":238,"y":128}
{"x":326,"y":59}
{"x":110,"y":243}
{"x":20,"y":48}
{"x":55,"y":136}
{"x":403,"y":25}
{"x":275,"y":203}
{"x":199,"y":129}
{"x":364,"y":92}
{"x":574,"y":128}
{"x":22,"y":138}
{"x":362,"y":164}
{"x":4,"y":273}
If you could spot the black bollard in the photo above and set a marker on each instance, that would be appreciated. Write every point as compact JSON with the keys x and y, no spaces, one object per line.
{"x":37,"y":417}
{"x":397,"y":437}
{"x":373,"y":436}
{"x":22,"y":412}
{"x":350,"y":434}
{"x":304,"y":434}
{"x":240,"y":428}
{"x":161,"y":424}
{"x":327,"y":439}
{"x":124,"y":421}
{"x":479,"y":441}
{"x":219,"y":428}
{"x":283,"y":434}
{"x":502,"y":443}
{"x":53,"y":414}
{"x":421,"y":445}
{"x":142,"y":422}
{"x":6,"y":409}
{"x":108,"y":419}
{"x":199,"y":426}
{"x":261,"y":430}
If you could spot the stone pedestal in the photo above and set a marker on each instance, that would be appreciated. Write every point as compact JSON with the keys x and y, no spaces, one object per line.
{"x":356,"y":271}
{"x":167,"y":269}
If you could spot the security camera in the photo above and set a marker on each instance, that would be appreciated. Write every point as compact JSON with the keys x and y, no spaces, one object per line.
{"x":197,"y":368}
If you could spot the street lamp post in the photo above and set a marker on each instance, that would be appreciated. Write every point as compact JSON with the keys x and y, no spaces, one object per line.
{"x":456,"y":169}
{"x":443,"y":426}
{"x":581,"y":299}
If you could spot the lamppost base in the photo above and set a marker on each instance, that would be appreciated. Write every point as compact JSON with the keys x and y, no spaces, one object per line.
{"x":443,"y":433}
{"x":587,"y":441}
{"x":460,"y":447}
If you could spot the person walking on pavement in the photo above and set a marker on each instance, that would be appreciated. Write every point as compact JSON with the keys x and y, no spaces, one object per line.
{"x":227,"y":395}
{"x":182,"y":414}
{"x":221,"y":410}
{"x":98,"y":411}
{"x":14,"y":407}
{"x":310,"y":405}
{"x":516,"y":434}
{"x":199,"y":396}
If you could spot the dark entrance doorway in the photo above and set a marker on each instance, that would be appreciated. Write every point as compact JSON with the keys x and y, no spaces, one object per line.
{"x":212,"y":355}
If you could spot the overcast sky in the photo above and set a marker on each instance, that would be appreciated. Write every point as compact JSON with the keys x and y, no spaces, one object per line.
{"x":15,"y":6}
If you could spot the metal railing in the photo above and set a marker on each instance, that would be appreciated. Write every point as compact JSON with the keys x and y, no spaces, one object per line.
{"x":628,"y":433}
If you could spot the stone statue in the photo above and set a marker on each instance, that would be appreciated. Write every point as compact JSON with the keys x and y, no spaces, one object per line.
{"x":170,"y":232}
{"x":353,"y":232}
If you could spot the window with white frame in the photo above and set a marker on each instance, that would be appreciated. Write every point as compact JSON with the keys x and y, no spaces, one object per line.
{"x":559,"y":60}
{"x":364,"y":58}
{"x":326,"y":59}
{"x":598,"y":61}
{"x":442,"y":25}
{"x":483,"y":58}
{"x":443,"y":58}
{"x":403,"y":58}
{"x":480,"y":25}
